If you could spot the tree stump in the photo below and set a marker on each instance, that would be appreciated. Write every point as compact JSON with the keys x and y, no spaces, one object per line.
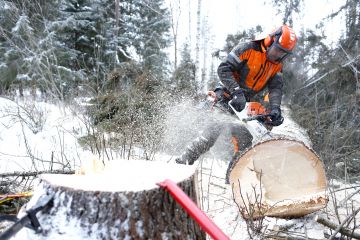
{"x":121,"y":201}
{"x":278,"y":177}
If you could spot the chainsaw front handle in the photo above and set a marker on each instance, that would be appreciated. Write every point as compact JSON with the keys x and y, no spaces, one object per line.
{"x":260,"y":117}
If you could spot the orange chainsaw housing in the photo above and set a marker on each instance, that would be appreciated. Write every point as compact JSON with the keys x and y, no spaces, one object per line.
{"x":255,"y":108}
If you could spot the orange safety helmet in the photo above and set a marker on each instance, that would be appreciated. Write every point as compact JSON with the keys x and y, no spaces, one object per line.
{"x":282,"y":41}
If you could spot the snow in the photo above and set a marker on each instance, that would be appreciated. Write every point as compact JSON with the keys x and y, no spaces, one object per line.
{"x":39,"y":136}
{"x":22,"y":24}
{"x":6,"y":6}
{"x":83,"y":38}
{"x":135,"y":176}
{"x":57,"y":131}
{"x":23,"y":77}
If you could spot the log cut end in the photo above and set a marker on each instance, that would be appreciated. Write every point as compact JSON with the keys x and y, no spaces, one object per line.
{"x":122,"y":175}
{"x":280,"y":178}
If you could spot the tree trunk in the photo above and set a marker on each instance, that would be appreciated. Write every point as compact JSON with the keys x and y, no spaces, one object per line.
{"x":189,"y":24}
{"x":21,"y":88}
{"x":175,"y":17}
{"x":206,"y":40}
{"x":117,"y":20}
{"x":33,"y":89}
{"x":120,"y":202}
{"x":197,"y":47}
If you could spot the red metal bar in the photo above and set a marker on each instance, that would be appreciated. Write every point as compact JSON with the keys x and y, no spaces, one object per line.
{"x":192,"y":209}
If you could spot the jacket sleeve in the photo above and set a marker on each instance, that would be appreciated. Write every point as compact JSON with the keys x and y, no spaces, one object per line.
{"x":228,"y":66}
{"x":275,"y":87}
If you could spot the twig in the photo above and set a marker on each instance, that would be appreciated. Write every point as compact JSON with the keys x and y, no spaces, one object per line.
{"x":218,"y":209}
{"x":35,"y":173}
{"x":286,"y":236}
{"x":237,"y":223}
{"x":334,"y":226}
{"x":219,"y":196}
{"x":218,"y":186}
{"x":348,"y":197}
{"x":345,"y":188}
{"x":28,"y":150}
{"x":209,"y":181}
{"x":221,"y":178}
{"x":344,"y":222}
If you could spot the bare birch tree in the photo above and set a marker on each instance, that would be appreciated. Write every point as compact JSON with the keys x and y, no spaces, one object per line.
{"x":205,"y":42}
{"x":197,"y":47}
{"x":189,"y":6}
{"x":175,"y":11}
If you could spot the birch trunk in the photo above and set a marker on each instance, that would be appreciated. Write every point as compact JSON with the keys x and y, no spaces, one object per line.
{"x":197,"y":47}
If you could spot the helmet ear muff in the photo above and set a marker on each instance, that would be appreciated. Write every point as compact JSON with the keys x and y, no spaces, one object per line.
{"x":271,"y":37}
{"x":268,"y":41}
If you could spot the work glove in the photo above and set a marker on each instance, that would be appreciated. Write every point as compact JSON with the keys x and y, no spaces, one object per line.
{"x":238,"y":100}
{"x":275,"y":116}
{"x":219,"y":92}
{"x":180,"y":160}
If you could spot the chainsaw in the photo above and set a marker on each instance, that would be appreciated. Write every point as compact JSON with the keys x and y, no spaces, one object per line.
{"x":253,"y":116}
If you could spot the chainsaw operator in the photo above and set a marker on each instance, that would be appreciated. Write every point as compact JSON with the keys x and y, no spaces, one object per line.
{"x":247,"y":70}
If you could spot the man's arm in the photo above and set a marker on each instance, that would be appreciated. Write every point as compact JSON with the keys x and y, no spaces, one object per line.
{"x":225,"y":71}
{"x":275,"y":87}
{"x":231,"y":64}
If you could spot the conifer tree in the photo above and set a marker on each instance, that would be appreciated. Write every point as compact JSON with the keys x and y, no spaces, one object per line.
{"x":184,"y":76}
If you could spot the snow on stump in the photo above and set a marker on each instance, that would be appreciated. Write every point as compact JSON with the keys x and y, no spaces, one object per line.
{"x":121,"y":201}
{"x":279,"y":178}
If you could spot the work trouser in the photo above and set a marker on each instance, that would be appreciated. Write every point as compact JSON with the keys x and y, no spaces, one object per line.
{"x":241,"y":139}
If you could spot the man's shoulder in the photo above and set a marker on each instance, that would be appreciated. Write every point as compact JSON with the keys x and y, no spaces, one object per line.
{"x":245,"y":46}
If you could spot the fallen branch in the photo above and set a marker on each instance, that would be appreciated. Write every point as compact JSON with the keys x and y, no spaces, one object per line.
{"x":35,"y":173}
{"x":343,"y":230}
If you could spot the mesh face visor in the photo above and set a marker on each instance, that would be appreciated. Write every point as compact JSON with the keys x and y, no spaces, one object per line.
{"x":276,"y":53}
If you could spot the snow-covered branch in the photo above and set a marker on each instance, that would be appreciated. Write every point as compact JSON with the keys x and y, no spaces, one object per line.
{"x":351,"y":61}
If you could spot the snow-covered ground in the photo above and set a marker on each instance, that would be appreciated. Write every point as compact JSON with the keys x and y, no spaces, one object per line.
{"x":38,"y":136}
{"x":49,"y":141}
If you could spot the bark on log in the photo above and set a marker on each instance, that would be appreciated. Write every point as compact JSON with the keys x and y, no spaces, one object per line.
{"x":121,"y":202}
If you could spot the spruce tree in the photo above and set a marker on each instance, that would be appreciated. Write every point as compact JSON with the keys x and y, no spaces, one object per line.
{"x":184,"y":82}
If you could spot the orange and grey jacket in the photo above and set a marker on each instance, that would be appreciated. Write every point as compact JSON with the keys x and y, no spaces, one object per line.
{"x":247,"y":68}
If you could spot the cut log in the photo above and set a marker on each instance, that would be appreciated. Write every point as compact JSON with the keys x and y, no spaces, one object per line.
{"x":120,"y":202}
{"x":278,"y":177}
